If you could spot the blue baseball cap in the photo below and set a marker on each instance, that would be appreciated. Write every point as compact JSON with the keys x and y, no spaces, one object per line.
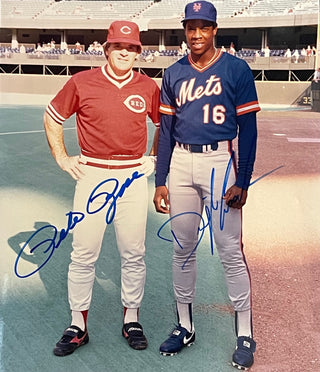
{"x":200,"y":10}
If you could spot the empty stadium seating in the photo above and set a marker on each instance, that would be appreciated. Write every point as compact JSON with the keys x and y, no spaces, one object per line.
{"x":79,"y":9}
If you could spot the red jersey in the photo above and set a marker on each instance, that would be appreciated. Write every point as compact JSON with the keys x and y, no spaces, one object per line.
{"x":110,"y":114}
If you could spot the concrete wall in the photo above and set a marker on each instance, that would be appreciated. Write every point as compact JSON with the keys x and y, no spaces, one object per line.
{"x":281,"y":92}
{"x":39,"y":88}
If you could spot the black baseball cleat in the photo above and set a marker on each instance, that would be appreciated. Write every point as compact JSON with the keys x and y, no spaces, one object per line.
{"x":72,"y":338}
{"x":178,"y":339}
{"x":243,"y":356}
{"x":133,"y":333}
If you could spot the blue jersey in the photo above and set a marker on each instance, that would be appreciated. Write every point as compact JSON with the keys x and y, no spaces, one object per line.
{"x":203,"y":105}
{"x":206,"y":102}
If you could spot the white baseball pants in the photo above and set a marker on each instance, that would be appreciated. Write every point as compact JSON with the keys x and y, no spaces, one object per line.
{"x":190,"y":189}
{"x":130,"y":226}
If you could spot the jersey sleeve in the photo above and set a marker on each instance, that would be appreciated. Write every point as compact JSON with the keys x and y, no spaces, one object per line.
{"x":167,"y":103}
{"x":154,"y":113}
{"x":247,"y":106}
{"x":65,"y":103}
{"x":247,"y":143}
{"x":166,"y":140}
{"x":246,"y":95}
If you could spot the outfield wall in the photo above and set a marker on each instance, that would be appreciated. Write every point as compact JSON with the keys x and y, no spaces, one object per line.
{"x":20,"y":89}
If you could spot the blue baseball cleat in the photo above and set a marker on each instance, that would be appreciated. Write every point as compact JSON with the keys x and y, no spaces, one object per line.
{"x":179,"y":338}
{"x":243,"y":356}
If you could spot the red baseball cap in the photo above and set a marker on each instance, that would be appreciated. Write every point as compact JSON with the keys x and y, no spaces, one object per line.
{"x":124,"y":32}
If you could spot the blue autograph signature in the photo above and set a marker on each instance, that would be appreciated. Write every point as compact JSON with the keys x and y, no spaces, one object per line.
{"x":110,"y":196}
{"x":49,"y":245}
{"x":214,"y":205}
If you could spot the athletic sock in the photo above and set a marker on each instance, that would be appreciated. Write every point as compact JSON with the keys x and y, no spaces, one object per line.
{"x":184,"y":312}
{"x":79,"y":319}
{"x":130,"y":315}
{"x":243,"y":323}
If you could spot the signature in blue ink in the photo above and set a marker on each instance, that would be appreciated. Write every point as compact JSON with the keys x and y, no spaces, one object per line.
{"x":214,"y":205}
{"x":50,"y":244}
{"x":200,"y":231}
{"x":110,"y":197}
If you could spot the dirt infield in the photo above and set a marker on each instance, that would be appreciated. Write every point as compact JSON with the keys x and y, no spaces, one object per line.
{"x":282,"y":242}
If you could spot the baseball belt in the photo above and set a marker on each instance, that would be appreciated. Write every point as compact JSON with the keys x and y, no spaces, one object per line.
{"x":199,"y":148}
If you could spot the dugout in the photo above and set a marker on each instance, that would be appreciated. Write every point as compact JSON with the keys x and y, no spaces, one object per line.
{"x":315,"y":96}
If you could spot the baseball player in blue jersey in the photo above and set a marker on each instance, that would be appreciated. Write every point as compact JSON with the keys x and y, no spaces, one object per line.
{"x":208,"y":99}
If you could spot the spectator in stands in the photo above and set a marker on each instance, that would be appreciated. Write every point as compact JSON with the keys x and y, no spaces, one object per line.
{"x":39,"y":50}
{"x":266,"y":51}
{"x":223,"y":48}
{"x":288,"y":54}
{"x":63,"y":46}
{"x":316,"y":76}
{"x":91,"y":48}
{"x":309,"y":51}
{"x":303,"y":55}
{"x":7,"y":52}
{"x":22,"y":49}
{"x":47,"y":47}
{"x":95,"y":47}
{"x":296,"y":55}
{"x":232,"y":49}
{"x":99,"y":47}
{"x":149,"y":57}
{"x":78,"y":47}
{"x":14,"y":44}
{"x":180,"y":52}
{"x":184,"y":47}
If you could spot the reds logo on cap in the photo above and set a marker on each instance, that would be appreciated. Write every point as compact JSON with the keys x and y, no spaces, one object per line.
{"x":135,"y":103}
{"x":125,"y":30}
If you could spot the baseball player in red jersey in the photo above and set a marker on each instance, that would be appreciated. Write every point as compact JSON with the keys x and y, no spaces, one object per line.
{"x":111,"y":104}
{"x":208,"y":98}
